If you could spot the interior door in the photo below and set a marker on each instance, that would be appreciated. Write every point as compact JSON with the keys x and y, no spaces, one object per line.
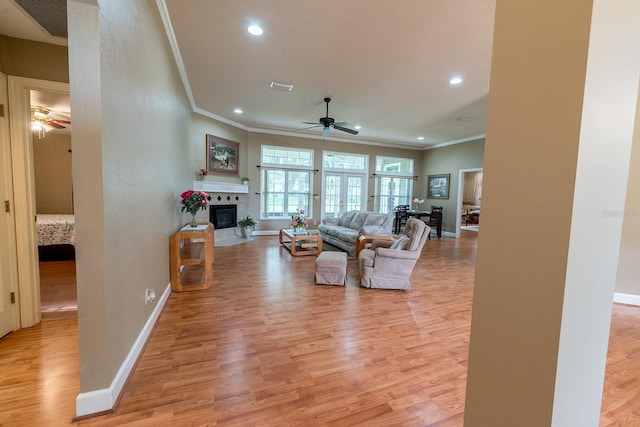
{"x":343,"y":192}
{"x":7,"y":238}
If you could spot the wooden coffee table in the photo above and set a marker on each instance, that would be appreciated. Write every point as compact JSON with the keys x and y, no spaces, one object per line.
{"x":309,"y":243}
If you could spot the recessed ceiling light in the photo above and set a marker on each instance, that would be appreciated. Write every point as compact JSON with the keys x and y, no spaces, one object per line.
{"x":464,"y":118}
{"x":455,"y":80}
{"x":238,"y":111}
{"x":357,"y":127}
{"x":420,"y":138}
{"x":255,"y":30}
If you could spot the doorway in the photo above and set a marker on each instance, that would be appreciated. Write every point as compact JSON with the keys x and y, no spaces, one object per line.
{"x":52,"y":157}
{"x":343,"y":192}
{"x":24,"y":198}
{"x":469,"y":199}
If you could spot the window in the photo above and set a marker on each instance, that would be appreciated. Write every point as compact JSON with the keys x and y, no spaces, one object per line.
{"x":286,"y":181}
{"x":345,"y":161}
{"x":394,"y":183}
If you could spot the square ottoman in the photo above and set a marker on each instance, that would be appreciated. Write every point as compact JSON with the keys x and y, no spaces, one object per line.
{"x":331,"y":268}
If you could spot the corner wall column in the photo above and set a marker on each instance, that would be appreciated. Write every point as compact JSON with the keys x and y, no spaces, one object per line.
{"x":564,"y":88}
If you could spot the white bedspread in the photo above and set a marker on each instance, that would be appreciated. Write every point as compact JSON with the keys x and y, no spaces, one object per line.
{"x":55,"y":229}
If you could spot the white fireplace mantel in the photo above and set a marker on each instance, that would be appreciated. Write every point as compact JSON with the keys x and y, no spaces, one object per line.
{"x":220,"y":187}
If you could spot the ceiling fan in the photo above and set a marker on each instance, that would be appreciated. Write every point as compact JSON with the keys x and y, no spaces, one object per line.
{"x":41,"y":123}
{"x":40,"y":116}
{"x":328,"y":122}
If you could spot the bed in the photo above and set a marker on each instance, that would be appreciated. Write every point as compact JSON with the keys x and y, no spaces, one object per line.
{"x":55,"y":229}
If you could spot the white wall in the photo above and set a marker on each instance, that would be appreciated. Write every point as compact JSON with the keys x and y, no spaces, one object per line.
{"x":628,"y":280}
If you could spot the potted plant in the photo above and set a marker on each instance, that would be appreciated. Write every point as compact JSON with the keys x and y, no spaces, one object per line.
{"x":247,"y":225}
{"x":245,"y":180}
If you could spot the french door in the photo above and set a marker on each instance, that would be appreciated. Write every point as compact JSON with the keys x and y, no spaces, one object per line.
{"x":343,"y":192}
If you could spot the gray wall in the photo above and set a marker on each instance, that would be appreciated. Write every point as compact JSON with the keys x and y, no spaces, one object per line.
{"x":36,"y":60}
{"x":450,"y":160}
{"x":132,"y":159}
{"x":52,"y":166}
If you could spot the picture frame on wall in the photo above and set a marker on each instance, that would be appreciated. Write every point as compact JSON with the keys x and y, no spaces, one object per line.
{"x":438,"y":186}
{"x":222,"y":155}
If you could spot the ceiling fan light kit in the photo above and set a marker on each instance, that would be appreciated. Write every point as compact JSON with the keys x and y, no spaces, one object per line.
{"x":41,"y":124}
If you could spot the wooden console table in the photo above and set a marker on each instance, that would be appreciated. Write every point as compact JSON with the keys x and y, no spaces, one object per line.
{"x":301,"y":244}
{"x":192,"y":247}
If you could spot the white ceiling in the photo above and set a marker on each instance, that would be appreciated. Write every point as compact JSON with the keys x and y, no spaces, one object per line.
{"x":385,"y":64}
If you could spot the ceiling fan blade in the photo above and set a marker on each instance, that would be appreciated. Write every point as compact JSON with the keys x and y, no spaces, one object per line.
{"x":55,"y":125}
{"x":343,"y":129}
{"x":64,"y":122}
{"x":312,"y":123}
{"x":342,"y":124}
{"x":309,"y":127}
{"x":325,"y":131}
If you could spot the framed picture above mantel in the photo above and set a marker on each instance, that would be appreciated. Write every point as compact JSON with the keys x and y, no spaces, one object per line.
{"x":222,"y":155}
{"x":438,"y":186}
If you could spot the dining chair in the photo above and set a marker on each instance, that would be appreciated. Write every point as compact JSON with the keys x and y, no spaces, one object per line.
{"x":402,"y":215}
{"x":435,"y":221}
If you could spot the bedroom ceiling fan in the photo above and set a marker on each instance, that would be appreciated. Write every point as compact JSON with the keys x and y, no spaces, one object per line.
{"x":328,"y":122}
{"x":41,"y":123}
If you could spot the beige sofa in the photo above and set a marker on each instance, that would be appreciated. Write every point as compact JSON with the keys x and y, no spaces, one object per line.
{"x":343,"y":232}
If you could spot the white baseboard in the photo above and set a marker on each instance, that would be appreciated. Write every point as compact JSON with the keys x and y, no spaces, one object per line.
{"x":626,"y":299}
{"x":96,"y":401}
{"x":266,"y":233}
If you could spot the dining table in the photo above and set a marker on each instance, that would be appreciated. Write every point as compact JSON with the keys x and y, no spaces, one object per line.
{"x":419,"y":215}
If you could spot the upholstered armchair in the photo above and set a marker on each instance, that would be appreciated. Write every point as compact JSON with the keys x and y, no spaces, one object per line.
{"x":389,"y":264}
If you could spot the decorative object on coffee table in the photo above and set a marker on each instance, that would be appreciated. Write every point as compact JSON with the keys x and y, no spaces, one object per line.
{"x":299,"y":222}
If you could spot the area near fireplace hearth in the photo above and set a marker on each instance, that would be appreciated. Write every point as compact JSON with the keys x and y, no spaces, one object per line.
{"x":228,"y":203}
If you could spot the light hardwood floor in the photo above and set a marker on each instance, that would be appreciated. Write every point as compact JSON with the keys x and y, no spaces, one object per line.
{"x":264,"y":346}
{"x":58,"y":296}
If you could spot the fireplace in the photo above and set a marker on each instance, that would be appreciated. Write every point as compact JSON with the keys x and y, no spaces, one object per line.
{"x":223,"y":216}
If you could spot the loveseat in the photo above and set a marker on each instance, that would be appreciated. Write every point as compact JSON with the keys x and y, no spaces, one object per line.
{"x":343,"y":232}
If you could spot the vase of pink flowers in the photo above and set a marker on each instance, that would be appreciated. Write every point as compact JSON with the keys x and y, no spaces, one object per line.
{"x":201,"y":174}
{"x":299,"y":221}
{"x":192,"y":201}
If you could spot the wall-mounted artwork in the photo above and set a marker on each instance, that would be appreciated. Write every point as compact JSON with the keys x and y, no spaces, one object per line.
{"x":438,"y":186}
{"x":222,"y":155}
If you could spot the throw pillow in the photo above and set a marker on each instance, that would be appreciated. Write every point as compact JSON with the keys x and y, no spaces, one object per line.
{"x":400,"y":244}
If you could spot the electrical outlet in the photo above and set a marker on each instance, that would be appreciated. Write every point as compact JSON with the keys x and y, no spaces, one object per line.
{"x":149,"y":295}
